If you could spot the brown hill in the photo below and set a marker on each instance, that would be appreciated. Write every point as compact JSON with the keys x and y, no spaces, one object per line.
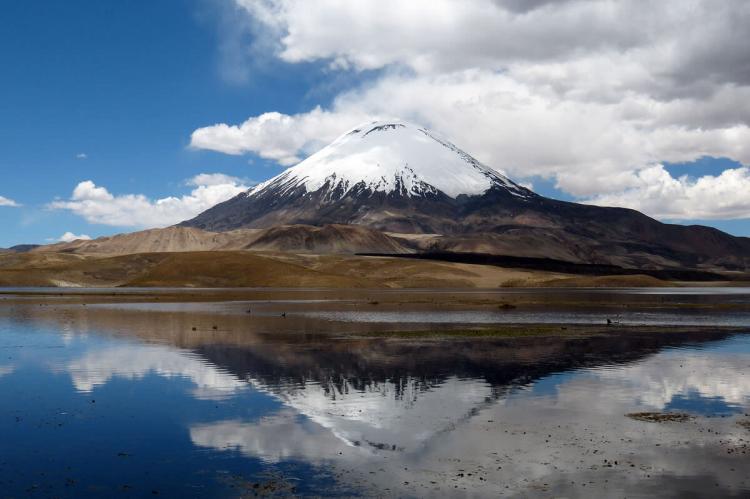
{"x":329,"y":239}
{"x":333,"y":239}
{"x":154,"y":241}
{"x":249,"y":269}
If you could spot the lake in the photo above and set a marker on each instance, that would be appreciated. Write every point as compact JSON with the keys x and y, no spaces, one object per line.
{"x":286,"y":392}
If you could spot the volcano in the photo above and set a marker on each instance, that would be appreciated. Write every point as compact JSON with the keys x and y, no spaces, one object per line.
{"x":413,"y":184}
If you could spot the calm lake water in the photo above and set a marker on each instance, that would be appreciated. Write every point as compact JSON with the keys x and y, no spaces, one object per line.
{"x":209,"y":400}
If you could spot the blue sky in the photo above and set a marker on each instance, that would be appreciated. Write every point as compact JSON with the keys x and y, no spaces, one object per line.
{"x":127,"y":83}
{"x":123,"y":83}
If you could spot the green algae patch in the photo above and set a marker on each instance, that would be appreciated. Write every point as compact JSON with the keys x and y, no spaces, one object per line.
{"x":510,"y":331}
{"x":660,"y":417}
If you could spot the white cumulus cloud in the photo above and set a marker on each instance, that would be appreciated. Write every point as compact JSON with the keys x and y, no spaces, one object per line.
{"x":211,"y":179}
{"x":274,"y":136}
{"x":99,"y":206}
{"x":8,"y":202}
{"x":69,"y":237}
{"x":591,"y":93}
{"x":725,"y":196}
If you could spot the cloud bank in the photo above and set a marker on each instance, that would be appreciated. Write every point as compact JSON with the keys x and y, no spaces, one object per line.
{"x":595,"y":94}
{"x":99,"y":206}
{"x":725,"y":196}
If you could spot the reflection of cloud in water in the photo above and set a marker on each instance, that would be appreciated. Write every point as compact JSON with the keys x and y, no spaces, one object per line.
{"x":274,"y":438}
{"x":97,"y":367}
{"x":5,"y":370}
{"x":655,"y":382}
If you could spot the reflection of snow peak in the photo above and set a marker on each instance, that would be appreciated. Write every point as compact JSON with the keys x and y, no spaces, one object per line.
{"x":6,"y":370}
{"x":136,"y":361}
{"x":386,"y":414}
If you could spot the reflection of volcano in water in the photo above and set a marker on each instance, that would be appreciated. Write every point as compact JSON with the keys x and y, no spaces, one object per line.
{"x":410,"y":415}
{"x":376,"y":394}
{"x":416,"y":417}
{"x":411,"y":368}
{"x":441,"y":407}
{"x":387,"y":395}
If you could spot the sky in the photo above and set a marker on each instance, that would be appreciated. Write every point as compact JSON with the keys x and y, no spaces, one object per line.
{"x":119,"y":116}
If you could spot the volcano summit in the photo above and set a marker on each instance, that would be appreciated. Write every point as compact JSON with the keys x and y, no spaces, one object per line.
{"x":406,"y":180}
{"x":390,"y":175}
{"x":392,"y":157}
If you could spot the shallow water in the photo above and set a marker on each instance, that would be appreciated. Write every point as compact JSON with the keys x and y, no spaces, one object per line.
{"x":410,"y":308}
{"x":196,"y":400}
{"x":629,"y":317}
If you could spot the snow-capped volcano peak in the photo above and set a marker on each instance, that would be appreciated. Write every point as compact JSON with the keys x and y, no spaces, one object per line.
{"x":391,"y":156}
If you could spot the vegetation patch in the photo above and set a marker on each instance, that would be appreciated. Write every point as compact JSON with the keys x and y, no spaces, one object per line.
{"x":660,"y":417}
{"x":510,"y":331}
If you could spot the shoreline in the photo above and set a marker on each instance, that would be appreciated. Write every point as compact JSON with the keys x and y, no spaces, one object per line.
{"x":393,"y":315}
{"x":500,"y":299}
